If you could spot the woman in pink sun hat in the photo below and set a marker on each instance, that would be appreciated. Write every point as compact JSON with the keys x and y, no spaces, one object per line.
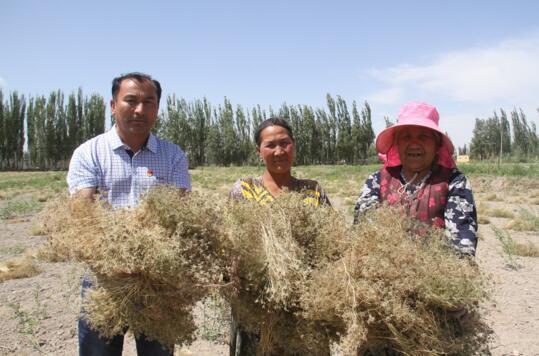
{"x":419,"y":173}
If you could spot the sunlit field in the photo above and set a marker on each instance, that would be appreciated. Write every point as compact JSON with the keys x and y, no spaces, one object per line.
{"x":41,"y":299}
{"x":25,"y":192}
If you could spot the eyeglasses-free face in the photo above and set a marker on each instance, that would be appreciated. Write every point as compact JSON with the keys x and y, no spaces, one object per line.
{"x":417,"y":148}
{"x":276,"y":149}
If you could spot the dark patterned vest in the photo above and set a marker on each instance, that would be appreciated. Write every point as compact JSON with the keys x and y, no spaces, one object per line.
{"x":427,"y":204}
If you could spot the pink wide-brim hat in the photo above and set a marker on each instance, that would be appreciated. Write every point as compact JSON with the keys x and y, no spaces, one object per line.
{"x":415,"y":114}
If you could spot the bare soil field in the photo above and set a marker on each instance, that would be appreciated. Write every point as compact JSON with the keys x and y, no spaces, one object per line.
{"x":39,"y":312}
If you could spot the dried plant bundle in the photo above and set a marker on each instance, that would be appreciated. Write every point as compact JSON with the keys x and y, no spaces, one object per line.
{"x":304,"y":278}
{"x":152,"y":263}
{"x":298,"y":276}
{"x":276,"y":249}
{"x":400,"y":287}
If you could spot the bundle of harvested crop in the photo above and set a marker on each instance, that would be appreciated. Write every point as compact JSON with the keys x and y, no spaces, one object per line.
{"x":300,"y":277}
{"x":152,"y":263}
{"x":276,"y":248}
{"x":393,"y":290}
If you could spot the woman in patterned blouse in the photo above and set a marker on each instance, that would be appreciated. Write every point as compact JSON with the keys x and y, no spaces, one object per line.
{"x":420,"y":173}
{"x":275,"y":145}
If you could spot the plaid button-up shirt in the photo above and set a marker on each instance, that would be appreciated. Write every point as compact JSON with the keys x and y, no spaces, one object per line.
{"x":104,"y":163}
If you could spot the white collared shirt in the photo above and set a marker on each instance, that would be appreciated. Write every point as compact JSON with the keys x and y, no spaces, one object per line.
{"x":103,"y":163}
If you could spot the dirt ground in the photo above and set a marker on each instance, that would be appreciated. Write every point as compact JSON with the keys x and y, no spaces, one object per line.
{"x":38,"y":314}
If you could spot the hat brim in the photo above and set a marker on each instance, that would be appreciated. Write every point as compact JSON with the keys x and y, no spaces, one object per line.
{"x":384,"y":141}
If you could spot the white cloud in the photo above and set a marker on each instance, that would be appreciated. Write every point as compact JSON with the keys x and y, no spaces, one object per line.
{"x":386,"y":96}
{"x":507,"y":71}
{"x":464,"y":85}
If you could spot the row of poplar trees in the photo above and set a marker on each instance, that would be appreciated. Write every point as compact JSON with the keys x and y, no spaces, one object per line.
{"x":223,"y":135}
{"x":502,"y":135}
{"x":52,"y":127}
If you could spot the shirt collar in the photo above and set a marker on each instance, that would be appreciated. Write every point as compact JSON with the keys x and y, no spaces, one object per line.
{"x":116,"y":141}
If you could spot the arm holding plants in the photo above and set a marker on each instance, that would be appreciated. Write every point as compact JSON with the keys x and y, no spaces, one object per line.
{"x":82,"y":177}
{"x":461,"y":227}
{"x":460,"y":215}
{"x":86,"y":193}
{"x":179,"y":174}
{"x":369,"y":197}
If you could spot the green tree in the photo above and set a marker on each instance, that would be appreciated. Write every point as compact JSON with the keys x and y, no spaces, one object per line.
{"x":505,"y":133}
{"x":215,"y":142}
{"x":13,"y":131}
{"x":257,"y":116}
{"x":230,"y":136}
{"x":367,"y":132}
{"x":3,"y":147}
{"x":94,"y":116}
{"x":62,"y":148}
{"x":330,"y":130}
{"x":344,"y":146}
{"x":478,"y":146}
{"x":50,"y":130}
{"x":72,"y":123}
{"x":296,"y":122}
{"x":245,"y":147}
{"x":40,"y":137}
{"x":176,"y":127}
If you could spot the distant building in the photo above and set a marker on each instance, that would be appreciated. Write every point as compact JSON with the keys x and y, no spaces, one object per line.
{"x":463,"y":159}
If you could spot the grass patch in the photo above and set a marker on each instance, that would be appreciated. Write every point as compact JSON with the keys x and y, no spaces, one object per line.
{"x":210,"y":178}
{"x":27,"y":324}
{"x":508,"y":247}
{"x":32,"y":180}
{"x":526,"y":220}
{"x":342,"y":181}
{"x":36,"y":229}
{"x":526,"y":249}
{"x":504,"y":185}
{"x":506,"y":169}
{"x":483,"y":220}
{"x":501,"y":213}
{"x":513,"y":248}
{"x":339,"y":181}
{"x":492,"y":197}
{"x":20,"y":206}
{"x":13,"y":250}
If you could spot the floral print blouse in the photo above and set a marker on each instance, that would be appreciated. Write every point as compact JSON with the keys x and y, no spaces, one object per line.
{"x":460,"y":215}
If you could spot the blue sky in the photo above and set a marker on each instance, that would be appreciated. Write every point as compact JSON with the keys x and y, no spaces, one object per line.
{"x":468,"y":58}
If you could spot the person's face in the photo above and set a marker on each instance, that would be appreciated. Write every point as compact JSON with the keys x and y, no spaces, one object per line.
{"x":276,"y":149}
{"x":135,"y":108}
{"x":417,"y":148}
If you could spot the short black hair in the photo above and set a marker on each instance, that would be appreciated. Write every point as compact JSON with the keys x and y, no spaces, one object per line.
{"x":273,"y":121}
{"x":139,"y":77}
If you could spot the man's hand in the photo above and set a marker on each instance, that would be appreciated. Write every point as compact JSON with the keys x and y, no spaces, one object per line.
{"x":86,"y":193}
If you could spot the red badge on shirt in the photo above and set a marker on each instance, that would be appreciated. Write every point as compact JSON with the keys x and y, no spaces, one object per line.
{"x":149,"y":173}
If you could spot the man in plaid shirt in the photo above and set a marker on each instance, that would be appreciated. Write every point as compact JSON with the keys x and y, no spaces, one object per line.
{"x":120,"y":166}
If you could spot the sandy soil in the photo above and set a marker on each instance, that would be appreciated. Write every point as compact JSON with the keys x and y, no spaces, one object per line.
{"x":39,"y":313}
